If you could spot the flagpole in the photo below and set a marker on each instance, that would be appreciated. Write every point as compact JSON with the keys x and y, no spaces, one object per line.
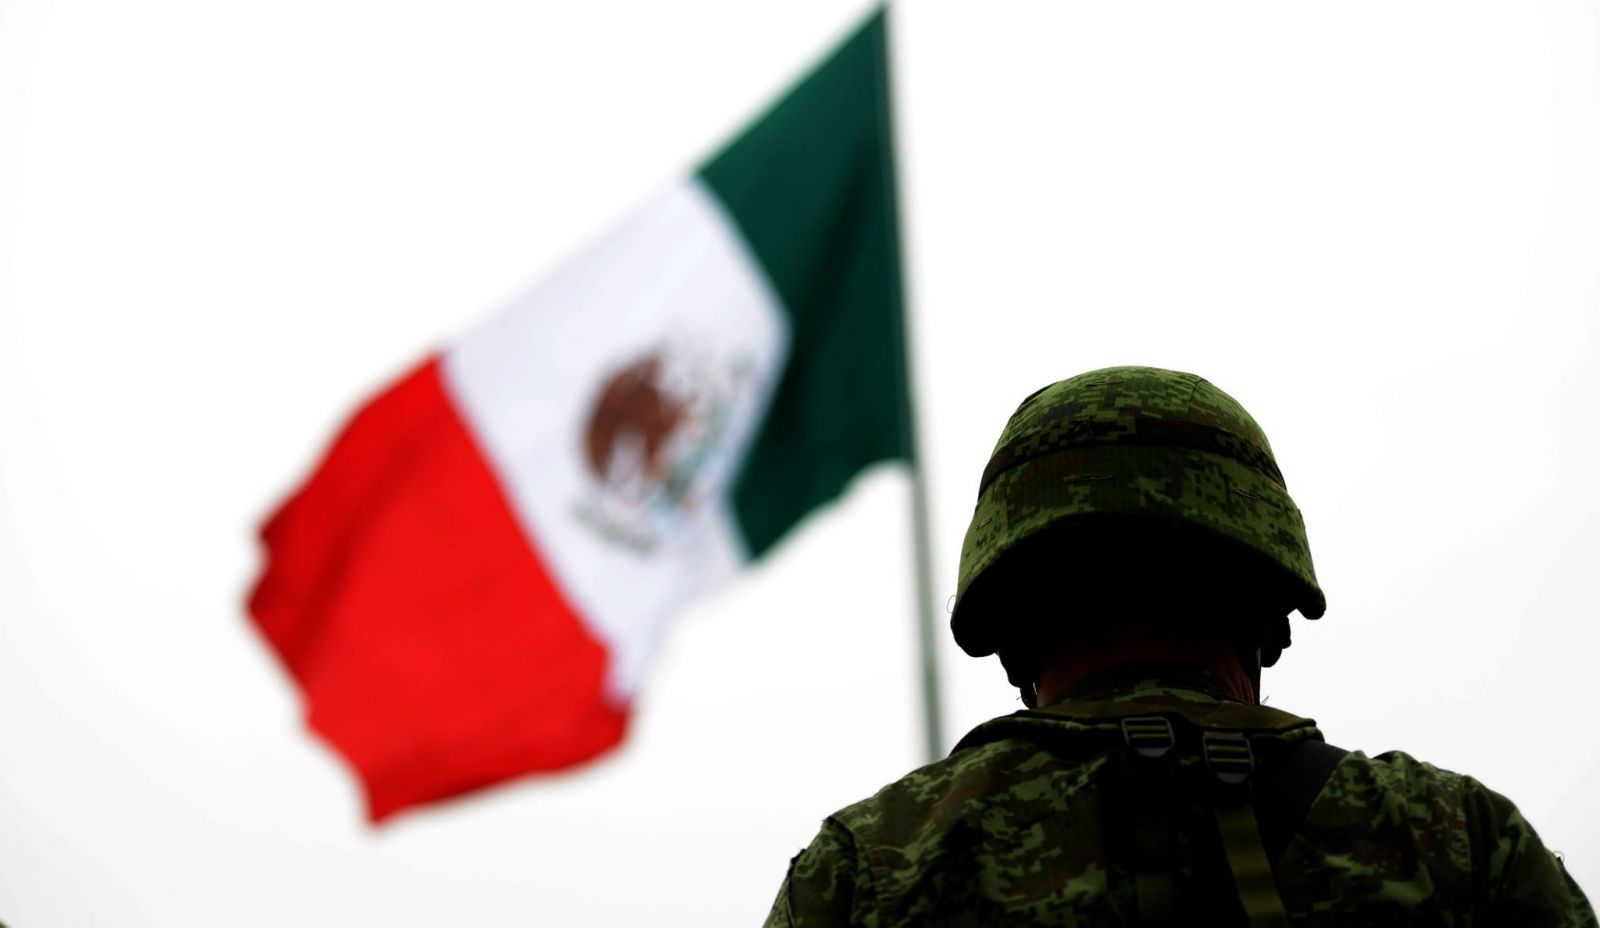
{"x":921,"y":535}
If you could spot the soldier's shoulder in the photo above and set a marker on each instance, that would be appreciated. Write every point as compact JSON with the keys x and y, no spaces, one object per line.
{"x":1399,"y":788}
{"x":965,"y":835}
{"x":934,"y":797}
{"x":922,"y":785}
{"x":1395,"y":830}
{"x":1360,"y":777}
{"x":1434,"y":796}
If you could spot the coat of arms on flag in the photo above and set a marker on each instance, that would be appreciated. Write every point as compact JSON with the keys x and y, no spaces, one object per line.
{"x":657,"y":438}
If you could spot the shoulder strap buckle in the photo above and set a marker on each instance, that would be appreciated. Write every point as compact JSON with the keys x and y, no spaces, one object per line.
{"x":1149,"y":735}
{"x":1228,"y":756}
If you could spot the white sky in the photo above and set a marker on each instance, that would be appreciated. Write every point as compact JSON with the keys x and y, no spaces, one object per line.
{"x":1377,"y":224}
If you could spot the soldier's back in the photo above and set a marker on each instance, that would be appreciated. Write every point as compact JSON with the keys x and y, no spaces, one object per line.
{"x":1024,"y":830}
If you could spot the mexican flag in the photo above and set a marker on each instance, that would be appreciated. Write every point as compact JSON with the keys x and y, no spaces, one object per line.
{"x":470,"y":585}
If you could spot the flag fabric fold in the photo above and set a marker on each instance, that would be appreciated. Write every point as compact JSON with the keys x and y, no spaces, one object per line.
{"x":471,"y":583}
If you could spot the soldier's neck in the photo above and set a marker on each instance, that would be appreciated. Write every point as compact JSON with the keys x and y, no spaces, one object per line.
{"x":1067,"y":666}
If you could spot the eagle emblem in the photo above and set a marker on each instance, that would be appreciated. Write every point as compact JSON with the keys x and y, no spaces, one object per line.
{"x":653,"y":444}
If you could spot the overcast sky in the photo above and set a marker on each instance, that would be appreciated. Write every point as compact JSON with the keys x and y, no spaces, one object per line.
{"x":222,"y":224}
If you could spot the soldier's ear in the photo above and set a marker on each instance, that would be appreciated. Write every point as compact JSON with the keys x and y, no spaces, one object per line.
{"x":1021,"y":663}
{"x":1277,"y":638}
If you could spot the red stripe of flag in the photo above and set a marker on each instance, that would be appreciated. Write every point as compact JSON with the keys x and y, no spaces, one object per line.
{"x":434,"y":651}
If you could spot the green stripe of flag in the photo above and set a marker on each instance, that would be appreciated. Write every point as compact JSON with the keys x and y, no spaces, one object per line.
{"x":811,"y":187}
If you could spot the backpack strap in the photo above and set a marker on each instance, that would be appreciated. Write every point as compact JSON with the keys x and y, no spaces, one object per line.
{"x":1231,"y":763}
{"x":1285,"y":790}
{"x":1150,"y":741}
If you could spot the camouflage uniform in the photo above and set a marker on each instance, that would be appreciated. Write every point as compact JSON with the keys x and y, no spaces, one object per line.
{"x":1047,"y":816}
{"x":1012,"y":831}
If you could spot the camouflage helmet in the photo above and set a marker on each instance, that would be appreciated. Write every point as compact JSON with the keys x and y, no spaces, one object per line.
{"x":1132,"y":441}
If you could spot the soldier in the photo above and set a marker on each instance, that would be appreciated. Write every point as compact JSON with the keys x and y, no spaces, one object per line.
{"x":1133,"y":560}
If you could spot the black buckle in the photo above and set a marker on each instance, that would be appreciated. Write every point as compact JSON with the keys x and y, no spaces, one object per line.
{"x":1148,"y":735}
{"x":1228,"y":756}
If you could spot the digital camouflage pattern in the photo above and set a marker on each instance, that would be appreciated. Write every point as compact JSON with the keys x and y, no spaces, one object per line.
{"x":1017,"y":830}
{"x":1139,"y":441}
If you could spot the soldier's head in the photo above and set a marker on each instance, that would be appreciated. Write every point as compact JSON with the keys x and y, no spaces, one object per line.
{"x":1131,"y":498}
